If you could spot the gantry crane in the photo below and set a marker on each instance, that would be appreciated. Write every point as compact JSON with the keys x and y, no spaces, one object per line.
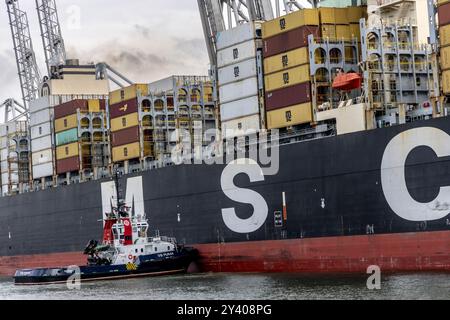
{"x":52,"y":40}
{"x":221,"y":15}
{"x":29,"y":75}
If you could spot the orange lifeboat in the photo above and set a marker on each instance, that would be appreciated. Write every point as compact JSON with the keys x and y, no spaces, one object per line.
{"x":347,"y":81}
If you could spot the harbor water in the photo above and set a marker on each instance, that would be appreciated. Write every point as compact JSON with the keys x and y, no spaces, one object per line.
{"x":242,"y":287}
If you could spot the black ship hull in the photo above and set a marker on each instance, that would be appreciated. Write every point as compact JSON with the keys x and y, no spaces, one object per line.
{"x":384,"y":188}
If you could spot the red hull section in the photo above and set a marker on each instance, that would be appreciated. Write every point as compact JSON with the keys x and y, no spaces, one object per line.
{"x":427,"y":251}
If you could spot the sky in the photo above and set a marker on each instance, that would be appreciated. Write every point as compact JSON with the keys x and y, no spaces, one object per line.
{"x":146,"y":40}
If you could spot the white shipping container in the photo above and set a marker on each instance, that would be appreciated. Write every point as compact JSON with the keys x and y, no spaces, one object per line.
{"x":239,"y":34}
{"x":236,"y":53}
{"x":41,"y":157}
{"x":240,"y":127}
{"x":39,"y":117}
{"x":3,"y":154}
{"x":10,"y":178}
{"x":43,"y":129}
{"x":43,"y":170}
{"x":237,"y":72}
{"x":240,"y":108}
{"x":41,"y":143}
{"x":4,"y":166}
{"x":39,"y":104}
{"x":238,"y":90}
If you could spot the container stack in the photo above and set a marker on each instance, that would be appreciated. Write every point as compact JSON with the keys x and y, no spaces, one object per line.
{"x":124,"y":122}
{"x":444,"y":40}
{"x":239,"y":60}
{"x":41,"y":126}
{"x":341,"y":23}
{"x":178,"y":108}
{"x":81,"y":138}
{"x":14,"y":157}
{"x":286,"y":68}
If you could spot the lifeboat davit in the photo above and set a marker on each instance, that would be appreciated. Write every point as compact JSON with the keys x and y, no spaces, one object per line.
{"x":347,"y":81}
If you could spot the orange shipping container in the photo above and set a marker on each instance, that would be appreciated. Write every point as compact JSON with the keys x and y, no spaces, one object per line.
{"x":127,"y":121}
{"x":67,"y":151}
{"x":126,"y":152}
{"x":290,"y":116}
{"x":304,"y":17}
{"x":287,"y":78}
{"x":445,"y":58}
{"x":66,"y":123}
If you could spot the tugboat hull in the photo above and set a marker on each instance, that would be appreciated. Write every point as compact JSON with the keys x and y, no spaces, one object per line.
{"x":145,"y":266}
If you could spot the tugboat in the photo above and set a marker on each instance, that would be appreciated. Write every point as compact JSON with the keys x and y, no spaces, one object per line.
{"x":125,"y":252}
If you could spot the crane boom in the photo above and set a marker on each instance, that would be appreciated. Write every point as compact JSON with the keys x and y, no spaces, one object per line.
{"x":52,"y":40}
{"x":27,"y":67}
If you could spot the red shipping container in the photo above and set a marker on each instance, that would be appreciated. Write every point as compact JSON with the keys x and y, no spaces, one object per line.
{"x":68,"y":165}
{"x":281,"y":98}
{"x":69,"y":108}
{"x":123,"y":108}
{"x":444,"y":14}
{"x":290,"y":40}
{"x":125,"y":136}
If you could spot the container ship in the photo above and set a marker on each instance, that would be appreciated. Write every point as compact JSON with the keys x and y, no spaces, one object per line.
{"x":319,"y":142}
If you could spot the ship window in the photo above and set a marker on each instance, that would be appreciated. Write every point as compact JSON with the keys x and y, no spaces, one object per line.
{"x":142,"y":250}
{"x":136,"y":250}
{"x":128,"y":238}
{"x":40,"y":130}
{"x":124,"y":122}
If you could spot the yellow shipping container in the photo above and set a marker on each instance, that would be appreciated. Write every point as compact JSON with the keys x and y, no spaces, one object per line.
{"x":444,"y":35}
{"x":328,"y":31}
{"x":343,"y":32}
{"x":67,"y":151}
{"x":66,"y":123}
{"x":445,"y":58}
{"x":126,"y":152}
{"x":441,"y":2}
{"x":290,"y":116}
{"x":128,"y":121}
{"x":355,"y":31}
{"x":341,"y":15}
{"x":327,"y":15}
{"x":354,"y":14}
{"x":287,"y":78}
{"x":286,"y":60}
{"x":304,"y":17}
{"x":127,"y":93}
{"x":94,"y":105}
{"x":446,"y":82}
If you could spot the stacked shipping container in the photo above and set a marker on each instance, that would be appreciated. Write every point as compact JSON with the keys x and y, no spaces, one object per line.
{"x":124,"y":122}
{"x":41,"y":126}
{"x":177,"y":107}
{"x":14,"y":157}
{"x":80,"y":136}
{"x":286,"y":68}
{"x":444,"y":40}
{"x":239,"y":60}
